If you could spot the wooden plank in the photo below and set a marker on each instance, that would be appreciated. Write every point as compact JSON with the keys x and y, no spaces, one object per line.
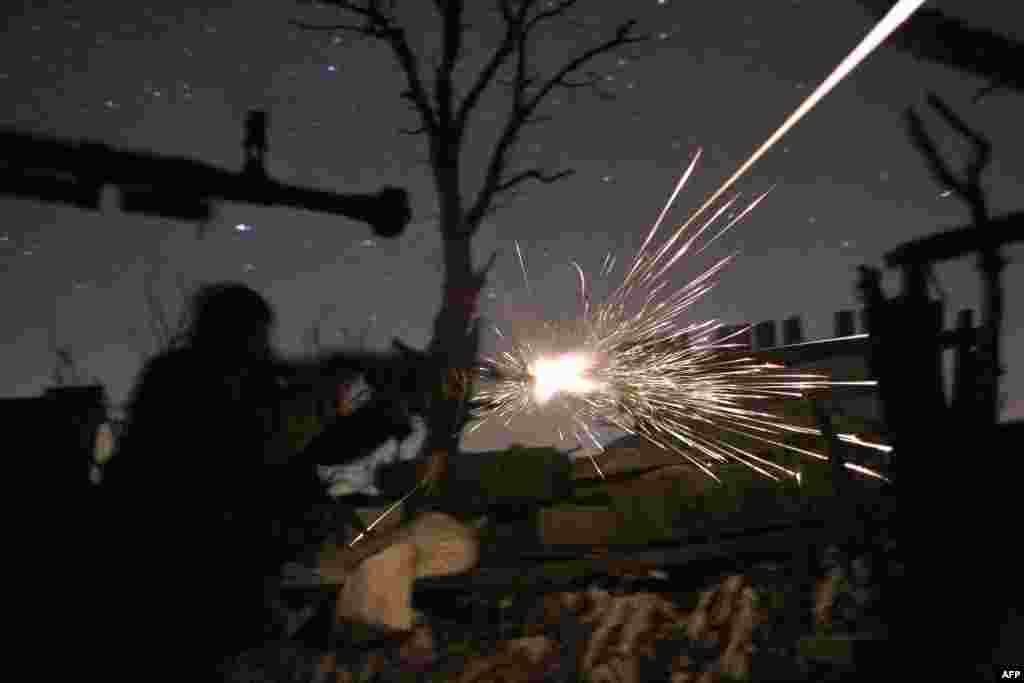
{"x":503,"y":571}
{"x":819,"y":350}
{"x":771,"y":543}
{"x":958,"y":242}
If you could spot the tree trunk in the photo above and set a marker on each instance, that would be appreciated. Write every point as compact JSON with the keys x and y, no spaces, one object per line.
{"x":453,"y":351}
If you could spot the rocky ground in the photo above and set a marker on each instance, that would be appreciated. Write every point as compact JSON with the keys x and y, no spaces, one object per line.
{"x":771,"y":622}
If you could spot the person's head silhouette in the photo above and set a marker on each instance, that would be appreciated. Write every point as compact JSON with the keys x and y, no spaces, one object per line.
{"x":230,"y":318}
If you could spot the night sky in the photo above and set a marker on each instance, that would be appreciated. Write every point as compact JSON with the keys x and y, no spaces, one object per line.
{"x":156,"y":75}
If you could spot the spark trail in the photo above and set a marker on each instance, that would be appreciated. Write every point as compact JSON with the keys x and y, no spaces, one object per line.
{"x":629,"y":362}
{"x":637,"y":368}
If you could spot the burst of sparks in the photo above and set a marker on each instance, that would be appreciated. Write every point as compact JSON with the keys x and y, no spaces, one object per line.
{"x":705,"y":381}
{"x":643,"y":372}
{"x":564,"y":373}
{"x":631,"y":362}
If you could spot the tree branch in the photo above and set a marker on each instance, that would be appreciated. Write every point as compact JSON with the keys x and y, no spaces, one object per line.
{"x":969,"y":189}
{"x":982,"y":147}
{"x":371,"y":13}
{"x":621,"y":38}
{"x":380,"y":24}
{"x":533,"y":174}
{"x":514,"y":21}
{"x":483,"y":272}
{"x":592,"y":82}
{"x":410,"y":67}
{"x":364,"y":30}
{"x":451,"y":34}
{"x":524,"y":107}
{"x":557,"y":9}
{"x":420,"y":130}
{"x":536,"y":120}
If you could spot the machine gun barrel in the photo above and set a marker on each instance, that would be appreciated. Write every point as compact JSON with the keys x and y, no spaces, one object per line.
{"x":397,"y":371}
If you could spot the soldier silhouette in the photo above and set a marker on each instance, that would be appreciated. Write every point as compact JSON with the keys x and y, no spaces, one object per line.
{"x":205,"y":485}
{"x":188,"y":490}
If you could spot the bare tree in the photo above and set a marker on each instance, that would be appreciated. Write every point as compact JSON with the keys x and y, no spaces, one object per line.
{"x":445,"y":105}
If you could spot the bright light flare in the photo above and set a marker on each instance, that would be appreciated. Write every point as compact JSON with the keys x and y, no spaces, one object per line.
{"x":680,"y":386}
{"x":653,"y":400}
{"x":564,"y":373}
